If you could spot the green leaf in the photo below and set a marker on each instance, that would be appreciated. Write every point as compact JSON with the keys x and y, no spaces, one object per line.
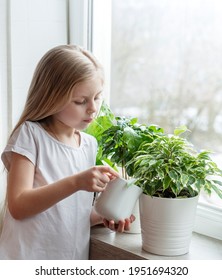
{"x":217,"y":182}
{"x":131,"y":138}
{"x":133,"y":121}
{"x":217,"y":191}
{"x":179,"y":130}
{"x":173,"y":175}
{"x":98,"y":126}
{"x":166,"y":182}
{"x":184,"y":179}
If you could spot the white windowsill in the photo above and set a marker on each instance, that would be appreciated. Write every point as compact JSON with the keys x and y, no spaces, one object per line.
{"x":106,"y":244}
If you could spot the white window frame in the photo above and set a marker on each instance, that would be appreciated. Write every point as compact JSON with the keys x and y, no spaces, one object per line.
{"x":101,"y":38}
{"x":209,"y":220}
{"x":79,"y":31}
{"x":90,"y":27}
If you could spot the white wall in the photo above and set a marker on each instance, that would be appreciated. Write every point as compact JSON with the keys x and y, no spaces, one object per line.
{"x":36,"y":26}
{"x":28,"y":28}
{"x":3,"y":89}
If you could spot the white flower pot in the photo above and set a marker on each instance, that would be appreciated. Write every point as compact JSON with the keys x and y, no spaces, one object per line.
{"x":118,"y":200}
{"x":167,"y":224}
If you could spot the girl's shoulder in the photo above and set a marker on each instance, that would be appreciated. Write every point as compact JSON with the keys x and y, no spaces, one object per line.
{"x":31,"y":125}
{"x":27,"y":126}
{"x":34,"y":130}
{"x":22,"y":141}
{"x":28,"y":129}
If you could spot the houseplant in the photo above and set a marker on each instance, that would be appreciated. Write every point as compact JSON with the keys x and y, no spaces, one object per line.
{"x":165,"y":166}
{"x":118,"y":139}
{"x":171,"y":173}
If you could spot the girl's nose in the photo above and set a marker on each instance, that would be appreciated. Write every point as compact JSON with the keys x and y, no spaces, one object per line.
{"x":92,"y":107}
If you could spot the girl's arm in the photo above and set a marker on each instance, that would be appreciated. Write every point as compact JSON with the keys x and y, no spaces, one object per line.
{"x":25,"y":201}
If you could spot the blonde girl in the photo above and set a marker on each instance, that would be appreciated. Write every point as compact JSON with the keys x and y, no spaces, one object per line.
{"x":51,"y":163}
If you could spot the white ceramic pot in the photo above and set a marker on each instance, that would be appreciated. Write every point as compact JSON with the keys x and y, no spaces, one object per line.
{"x":118,"y":200}
{"x":167,"y":224}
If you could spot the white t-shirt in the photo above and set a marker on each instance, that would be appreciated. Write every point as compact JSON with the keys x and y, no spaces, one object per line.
{"x":62,"y":231}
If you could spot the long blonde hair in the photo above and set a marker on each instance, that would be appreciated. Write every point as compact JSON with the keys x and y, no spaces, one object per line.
{"x":59,"y":70}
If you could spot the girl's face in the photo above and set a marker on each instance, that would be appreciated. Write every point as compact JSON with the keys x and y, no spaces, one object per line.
{"x":84,"y":105}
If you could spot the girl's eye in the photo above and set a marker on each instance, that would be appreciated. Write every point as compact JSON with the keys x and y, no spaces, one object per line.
{"x":98,"y":97}
{"x":83,"y":102}
{"x":80,"y":102}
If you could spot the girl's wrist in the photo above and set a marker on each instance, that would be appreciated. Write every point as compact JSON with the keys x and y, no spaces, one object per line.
{"x":73,"y":181}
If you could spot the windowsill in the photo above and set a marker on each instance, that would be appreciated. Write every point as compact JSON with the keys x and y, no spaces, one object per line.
{"x":106,"y":244}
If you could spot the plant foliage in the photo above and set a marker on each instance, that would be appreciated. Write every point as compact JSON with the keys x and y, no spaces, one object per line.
{"x":163,"y":165}
{"x":119,"y":137}
{"x":171,"y":167}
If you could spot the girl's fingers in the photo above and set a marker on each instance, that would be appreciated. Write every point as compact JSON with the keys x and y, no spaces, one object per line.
{"x":101,"y":184}
{"x":108,"y":170}
{"x":104,"y":178}
{"x":127,"y":224}
{"x":132,"y":218}
{"x":109,"y":224}
{"x":121,"y":226}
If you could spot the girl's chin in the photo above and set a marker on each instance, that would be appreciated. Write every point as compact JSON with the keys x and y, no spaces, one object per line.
{"x":83,"y":126}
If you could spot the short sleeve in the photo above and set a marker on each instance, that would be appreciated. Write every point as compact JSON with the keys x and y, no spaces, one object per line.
{"x":21,"y":142}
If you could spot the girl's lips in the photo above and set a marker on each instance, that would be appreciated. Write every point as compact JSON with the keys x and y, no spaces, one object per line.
{"x":88,"y":120}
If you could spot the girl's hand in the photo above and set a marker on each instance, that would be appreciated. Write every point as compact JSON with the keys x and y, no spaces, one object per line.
{"x":121,"y":226}
{"x":95,"y":179}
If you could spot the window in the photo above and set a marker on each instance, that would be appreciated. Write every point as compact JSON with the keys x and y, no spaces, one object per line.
{"x":162,"y":63}
{"x":166,"y":65}
{"x":166,"y":68}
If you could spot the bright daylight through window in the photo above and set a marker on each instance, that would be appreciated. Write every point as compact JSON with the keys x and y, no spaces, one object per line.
{"x":166,"y":67}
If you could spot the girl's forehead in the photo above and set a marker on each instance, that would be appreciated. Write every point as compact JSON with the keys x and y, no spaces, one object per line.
{"x":91,"y":86}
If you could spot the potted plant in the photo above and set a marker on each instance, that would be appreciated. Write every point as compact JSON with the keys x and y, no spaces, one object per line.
{"x":118,"y":139}
{"x":171,"y":174}
{"x":167,"y":168}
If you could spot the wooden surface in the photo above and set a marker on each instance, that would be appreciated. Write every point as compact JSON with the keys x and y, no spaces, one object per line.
{"x":100,"y":250}
{"x":108,"y":245}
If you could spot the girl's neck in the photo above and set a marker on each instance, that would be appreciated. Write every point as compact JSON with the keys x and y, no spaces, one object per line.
{"x":62,"y":132}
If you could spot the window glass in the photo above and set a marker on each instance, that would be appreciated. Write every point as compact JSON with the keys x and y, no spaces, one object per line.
{"x":166,"y":66}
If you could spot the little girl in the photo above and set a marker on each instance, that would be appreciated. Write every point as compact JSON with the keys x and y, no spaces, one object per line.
{"x":51,"y":163}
